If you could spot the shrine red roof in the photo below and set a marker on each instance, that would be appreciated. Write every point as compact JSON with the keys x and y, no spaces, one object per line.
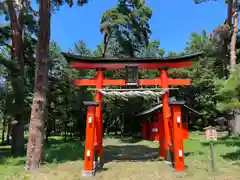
{"x":159,"y":106}
{"x":88,"y":59}
{"x":83,"y":62}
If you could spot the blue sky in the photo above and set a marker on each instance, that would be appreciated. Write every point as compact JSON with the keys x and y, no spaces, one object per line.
{"x":171,"y":23}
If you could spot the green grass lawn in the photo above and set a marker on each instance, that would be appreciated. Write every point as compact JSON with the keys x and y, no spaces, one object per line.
{"x":129,"y":160}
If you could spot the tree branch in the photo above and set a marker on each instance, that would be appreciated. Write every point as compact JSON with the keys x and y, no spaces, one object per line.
{"x":21,"y":16}
{"x":7,"y":45}
{"x":229,"y":12}
{"x":10,"y":65}
{"x":107,"y":35}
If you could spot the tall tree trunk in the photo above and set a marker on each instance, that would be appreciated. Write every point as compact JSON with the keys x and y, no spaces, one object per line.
{"x":36,"y":130}
{"x":65,"y":131}
{"x":3,"y":129}
{"x":8,"y":134}
{"x":17,"y":78}
{"x":46,"y":114}
{"x":49,"y":109}
{"x":54,"y":127}
{"x":233,"y":60}
{"x":229,"y":11}
{"x":233,"y":57}
{"x":226,"y":41}
{"x":235,"y":123}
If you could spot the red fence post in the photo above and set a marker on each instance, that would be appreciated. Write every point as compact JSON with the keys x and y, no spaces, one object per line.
{"x":178,"y":139}
{"x":151,"y":131}
{"x":155,"y":127}
{"x":144,"y":129}
{"x":161,"y":135}
{"x":185,"y":130}
{"x":88,"y":169}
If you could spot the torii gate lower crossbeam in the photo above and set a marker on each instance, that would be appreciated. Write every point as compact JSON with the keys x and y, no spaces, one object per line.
{"x":142,"y":82}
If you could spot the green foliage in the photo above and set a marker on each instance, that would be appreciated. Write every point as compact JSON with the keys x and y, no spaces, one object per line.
{"x":80,"y":48}
{"x":129,"y":23}
{"x":152,"y":50}
{"x":228,"y":91}
{"x":69,"y":2}
{"x":201,"y":94}
{"x":202,"y":1}
{"x":5,"y":33}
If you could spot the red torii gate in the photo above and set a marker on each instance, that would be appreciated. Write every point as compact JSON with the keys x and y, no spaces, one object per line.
{"x":94,"y":123}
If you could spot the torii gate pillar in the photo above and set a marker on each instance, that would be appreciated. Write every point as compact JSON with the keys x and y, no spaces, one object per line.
{"x":166,"y":114}
{"x":177,"y":138}
{"x":99,"y":117}
{"x":88,"y":168}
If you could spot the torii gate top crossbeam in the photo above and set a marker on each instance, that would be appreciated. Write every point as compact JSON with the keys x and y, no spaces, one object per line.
{"x":80,"y":62}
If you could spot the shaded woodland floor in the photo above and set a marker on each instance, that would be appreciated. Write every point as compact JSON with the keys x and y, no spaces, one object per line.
{"x":126,"y":159}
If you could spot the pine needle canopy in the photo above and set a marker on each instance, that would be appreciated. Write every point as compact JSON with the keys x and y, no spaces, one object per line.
{"x":129,"y":23}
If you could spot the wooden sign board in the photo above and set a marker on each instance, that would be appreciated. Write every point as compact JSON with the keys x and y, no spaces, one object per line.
{"x":210,"y":133}
{"x":131,"y":74}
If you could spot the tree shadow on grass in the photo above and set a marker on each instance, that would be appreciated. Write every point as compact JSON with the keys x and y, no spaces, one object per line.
{"x":7,"y":158}
{"x":234,"y":156}
{"x":187,"y":154}
{"x":5,"y":152}
{"x":229,"y":141}
{"x":56,"y":151}
{"x":132,"y":153}
{"x":130,"y":140}
{"x":59,"y":151}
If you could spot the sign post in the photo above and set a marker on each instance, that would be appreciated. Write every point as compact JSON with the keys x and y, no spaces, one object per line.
{"x":211,"y":135}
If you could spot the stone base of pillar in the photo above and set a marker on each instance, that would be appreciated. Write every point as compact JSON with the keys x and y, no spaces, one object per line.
{"x":88,"y":173}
